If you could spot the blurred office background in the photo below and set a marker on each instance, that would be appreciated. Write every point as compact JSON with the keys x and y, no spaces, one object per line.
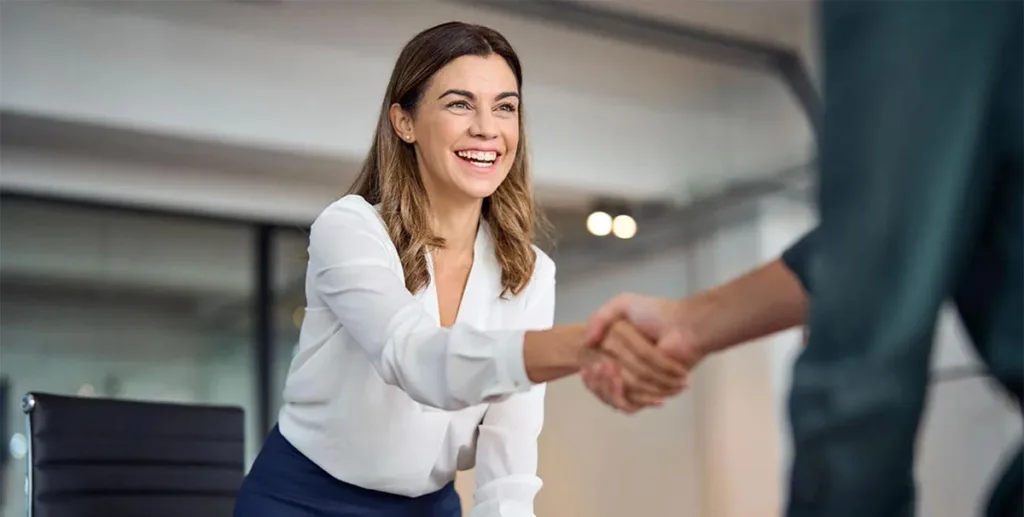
{"x":161,"y":163}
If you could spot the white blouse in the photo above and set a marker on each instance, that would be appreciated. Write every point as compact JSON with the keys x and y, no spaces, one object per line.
{"x":381,"y":396}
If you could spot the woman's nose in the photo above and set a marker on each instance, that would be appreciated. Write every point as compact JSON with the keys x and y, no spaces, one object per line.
{"x":484,"y":125}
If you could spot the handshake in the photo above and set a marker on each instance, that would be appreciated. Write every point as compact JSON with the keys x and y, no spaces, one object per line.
{"x":634,"y":352}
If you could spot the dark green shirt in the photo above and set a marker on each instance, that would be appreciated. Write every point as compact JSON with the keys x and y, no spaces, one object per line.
{"x":920,"y":199}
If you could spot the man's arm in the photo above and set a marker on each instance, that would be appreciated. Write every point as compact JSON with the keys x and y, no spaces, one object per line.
{"x":761,"y":302}
{"x":766,"y":300}
{"x":905,"y":179}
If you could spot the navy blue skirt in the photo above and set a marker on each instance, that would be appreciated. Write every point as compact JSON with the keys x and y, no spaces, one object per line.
{"x":284,"y":483}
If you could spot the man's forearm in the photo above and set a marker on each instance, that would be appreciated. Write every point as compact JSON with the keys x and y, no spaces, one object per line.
{"x":766,"y":300}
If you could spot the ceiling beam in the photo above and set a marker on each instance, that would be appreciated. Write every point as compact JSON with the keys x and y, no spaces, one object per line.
{"x":734,"y":204}
{"x":689,"y":39}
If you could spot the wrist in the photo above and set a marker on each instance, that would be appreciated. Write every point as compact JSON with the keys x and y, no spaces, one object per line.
{"x":761,"y":302}
{"x":554,"y":353}
{"x":694,"y":318}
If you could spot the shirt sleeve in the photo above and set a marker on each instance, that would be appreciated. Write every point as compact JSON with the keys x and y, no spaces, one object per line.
{"x":352,"y":268}
{"x":908,"y":171}
{"x":798,"y":258}
{"x":506,"y":465}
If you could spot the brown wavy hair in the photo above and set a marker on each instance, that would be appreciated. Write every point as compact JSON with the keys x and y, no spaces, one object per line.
{"x":390,"y":175}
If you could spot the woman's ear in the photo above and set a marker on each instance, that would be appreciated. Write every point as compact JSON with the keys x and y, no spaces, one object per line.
{"x":402,"y":123}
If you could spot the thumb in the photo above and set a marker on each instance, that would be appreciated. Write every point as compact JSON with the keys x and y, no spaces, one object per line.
{"x":603,"y":318}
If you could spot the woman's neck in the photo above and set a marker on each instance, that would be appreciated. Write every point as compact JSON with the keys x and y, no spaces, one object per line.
{"x":457,"y":224}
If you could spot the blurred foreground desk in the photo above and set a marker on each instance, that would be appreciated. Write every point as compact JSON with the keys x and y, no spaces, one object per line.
{"x":93,"y":457}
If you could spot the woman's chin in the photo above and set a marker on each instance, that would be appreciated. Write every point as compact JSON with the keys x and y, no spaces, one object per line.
{"x":479,"y":193}
{"x":479,"y":187}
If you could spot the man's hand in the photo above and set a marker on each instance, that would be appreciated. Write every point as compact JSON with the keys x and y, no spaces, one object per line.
{"x":660,"y":321}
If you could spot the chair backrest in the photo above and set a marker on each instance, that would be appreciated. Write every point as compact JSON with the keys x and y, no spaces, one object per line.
{"x":91,"y":457}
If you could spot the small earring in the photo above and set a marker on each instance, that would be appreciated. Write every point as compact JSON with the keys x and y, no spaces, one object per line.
{"x":408,"y":137}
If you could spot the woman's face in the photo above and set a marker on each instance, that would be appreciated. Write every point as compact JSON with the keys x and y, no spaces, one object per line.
{"x":465,"y":128}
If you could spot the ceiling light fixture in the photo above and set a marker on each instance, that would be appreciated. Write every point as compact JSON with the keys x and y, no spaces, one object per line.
{"x":599,"y":223}
{"x":624,"y":226}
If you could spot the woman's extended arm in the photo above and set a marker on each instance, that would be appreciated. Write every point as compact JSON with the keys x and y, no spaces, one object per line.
{"x":353,"y":272}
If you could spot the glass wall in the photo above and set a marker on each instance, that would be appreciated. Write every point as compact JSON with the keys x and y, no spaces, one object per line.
{"x":115,"y":303}
{"x":289,"y":275}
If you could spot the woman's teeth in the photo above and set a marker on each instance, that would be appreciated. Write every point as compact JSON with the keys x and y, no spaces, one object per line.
{"x":478,"y":158}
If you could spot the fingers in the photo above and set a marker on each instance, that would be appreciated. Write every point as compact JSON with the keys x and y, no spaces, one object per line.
{"x":644,"y":367}
{"x":599,"y":378}
{"x":643,"y":401}
{"x":631,"y":372}
{"x":641,"y":391}
{"x":616,"y":394}
{"x":604,"y":380}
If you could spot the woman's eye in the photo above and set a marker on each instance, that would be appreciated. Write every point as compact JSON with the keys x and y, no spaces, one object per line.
{"x":459,"y":105}
{"x":511,"y":108}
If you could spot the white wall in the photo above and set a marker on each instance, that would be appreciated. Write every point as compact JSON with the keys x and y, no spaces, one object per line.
{"x":598,"y":463}
{"x":687,"y":459}
{"x":110,"y":180}
{"x":969,"y":426}
{"x":736,"y":418}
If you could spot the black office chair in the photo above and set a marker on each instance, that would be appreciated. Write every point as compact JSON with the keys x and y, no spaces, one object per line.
{"x":92,"y":457}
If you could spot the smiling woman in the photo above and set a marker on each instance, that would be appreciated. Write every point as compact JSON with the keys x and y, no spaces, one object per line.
{"x":451,"y":131}
{"x":427,"y":336}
